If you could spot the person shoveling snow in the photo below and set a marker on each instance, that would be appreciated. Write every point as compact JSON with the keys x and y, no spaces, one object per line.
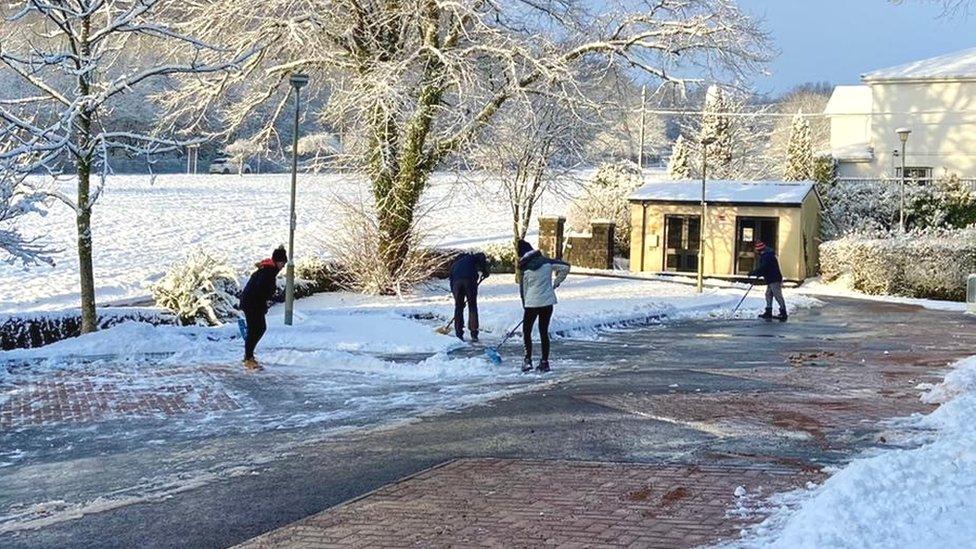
{"x":537,"y":289}
{"x":467,"y":272}
{"x":768,"y":270}
{"x":258,"y":292}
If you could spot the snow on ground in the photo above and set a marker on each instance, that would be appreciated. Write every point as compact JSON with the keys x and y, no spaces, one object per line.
{"x":143,"y":225}
{"x":920,"y":497}
{"x":842,"y":288}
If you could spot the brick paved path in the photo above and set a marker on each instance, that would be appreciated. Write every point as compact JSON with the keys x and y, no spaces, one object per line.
{"x":89,"y":396}
{"x":530,"y":503}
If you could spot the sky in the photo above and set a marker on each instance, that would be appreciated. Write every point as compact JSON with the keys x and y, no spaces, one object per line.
{"x":837,"y":40}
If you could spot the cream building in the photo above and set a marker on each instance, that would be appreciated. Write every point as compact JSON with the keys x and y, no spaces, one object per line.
{"x":934,"y":98}
{"x":666,"y":227}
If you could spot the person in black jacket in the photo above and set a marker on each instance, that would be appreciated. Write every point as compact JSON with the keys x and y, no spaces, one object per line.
{"x":259,"y":290}
{"x":768,"y":270}
{"x":467,"y":271}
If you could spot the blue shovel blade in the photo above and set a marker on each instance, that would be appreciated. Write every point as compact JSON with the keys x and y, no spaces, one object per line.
{"x":242,"y":327}
{"x":493,"y":356}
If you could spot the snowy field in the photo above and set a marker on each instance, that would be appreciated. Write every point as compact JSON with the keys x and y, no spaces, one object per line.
{"x":920,"y":497}
{"x":142,"y":226}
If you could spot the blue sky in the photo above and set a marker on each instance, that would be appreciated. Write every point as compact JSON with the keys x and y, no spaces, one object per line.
{"x":837,"y":40}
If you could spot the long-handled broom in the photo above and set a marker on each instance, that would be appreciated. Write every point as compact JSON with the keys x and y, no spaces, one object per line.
{"x":492,"y":352}
{"x":739,"y":304}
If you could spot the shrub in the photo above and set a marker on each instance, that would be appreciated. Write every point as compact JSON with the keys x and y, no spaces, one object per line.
{"x":201,"y":289}
{"x":927,"y":264}
{"x":30,"y":330}
{"x":605,"y":197}
{"x":319,"y":274}
{"x":502,"y":258}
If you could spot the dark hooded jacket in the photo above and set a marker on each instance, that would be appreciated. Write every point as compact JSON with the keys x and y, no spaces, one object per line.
{"x":768,"y":267}
{"x":470,"y":266}
{"x":261,"y":287}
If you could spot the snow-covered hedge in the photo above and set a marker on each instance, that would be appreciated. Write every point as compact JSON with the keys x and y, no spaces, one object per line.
{"x":319,"y":274}
{"x":502,"y":257}
{"x":201,"y":289}
{"x":926,"y":264}
{"x":30,"y":330}
{"x":852,"y":207}
{"x":605,"y":197}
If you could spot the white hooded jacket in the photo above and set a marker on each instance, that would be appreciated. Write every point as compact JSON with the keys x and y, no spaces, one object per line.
{"x":537,"y":286}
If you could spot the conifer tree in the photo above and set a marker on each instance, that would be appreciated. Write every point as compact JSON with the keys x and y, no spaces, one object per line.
{"x":799,"y":152}
{"x":679,"y":166}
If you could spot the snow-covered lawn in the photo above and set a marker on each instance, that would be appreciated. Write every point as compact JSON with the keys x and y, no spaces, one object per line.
{"x":922,"y":497}
{"x":142,"y":226}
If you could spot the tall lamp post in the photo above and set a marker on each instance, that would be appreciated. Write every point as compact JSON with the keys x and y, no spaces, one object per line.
{"x":705,"y":142}
{"x":298,"y":81}
{"x":903,"y":135}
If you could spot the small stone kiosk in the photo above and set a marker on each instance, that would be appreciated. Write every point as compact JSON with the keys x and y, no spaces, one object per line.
{"x":666,"y":227}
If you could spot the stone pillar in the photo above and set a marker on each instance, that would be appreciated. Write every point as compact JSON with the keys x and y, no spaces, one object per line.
{"x":602,"y":243}
{"x":551,"y":229}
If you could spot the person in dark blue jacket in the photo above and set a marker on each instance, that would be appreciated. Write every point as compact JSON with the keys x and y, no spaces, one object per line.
{"x":467,"y":271}
{"x":258,"y":292}
{"x":768,"y":270}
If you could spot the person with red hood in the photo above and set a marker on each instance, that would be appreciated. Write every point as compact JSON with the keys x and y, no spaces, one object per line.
{"x":258,"y":292}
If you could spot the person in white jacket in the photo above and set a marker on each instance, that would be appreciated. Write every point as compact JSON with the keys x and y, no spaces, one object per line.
{"x":537,"y":288}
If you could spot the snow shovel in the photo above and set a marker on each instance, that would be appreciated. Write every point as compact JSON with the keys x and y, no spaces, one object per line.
{"x":739,"y":304}
{"x":242,"y":327}
{"x":492,"y":352}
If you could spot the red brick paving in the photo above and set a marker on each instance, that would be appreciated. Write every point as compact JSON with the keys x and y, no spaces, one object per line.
{"x":82,"y":397}
{"x":518,"y":503}
{"x":530,"y":503}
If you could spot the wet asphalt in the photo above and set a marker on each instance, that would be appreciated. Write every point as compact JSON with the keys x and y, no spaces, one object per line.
{"x":553,"y":422}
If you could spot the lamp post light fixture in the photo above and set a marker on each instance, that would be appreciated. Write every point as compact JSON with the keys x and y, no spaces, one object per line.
{"x":298,"y":81}
{"x":903,"y":135}
{"x":705,"y":142}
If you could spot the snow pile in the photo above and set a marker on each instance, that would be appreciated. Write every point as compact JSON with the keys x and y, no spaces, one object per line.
{"x":201,"y":289}
{"x":843,"y":287}
{"x":922,"y":497}
{"x":925,"y":264}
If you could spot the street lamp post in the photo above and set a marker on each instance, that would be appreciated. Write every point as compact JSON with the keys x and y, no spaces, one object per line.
{"x":903,"y":135}
{"x":298,"y":81}
{"x":701,"y":225}
{"x":643,"y":121}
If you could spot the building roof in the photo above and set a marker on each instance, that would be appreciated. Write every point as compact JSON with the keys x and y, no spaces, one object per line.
{"x":960,"y":65}
{"x":854,"y":152}
{"x":773,"y":193}
{"x":849,"y":100}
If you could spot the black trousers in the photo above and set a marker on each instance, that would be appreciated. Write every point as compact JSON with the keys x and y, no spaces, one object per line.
{"x":544,"y":314}
{"x":465,"y":291}
{"x":256,"y":326}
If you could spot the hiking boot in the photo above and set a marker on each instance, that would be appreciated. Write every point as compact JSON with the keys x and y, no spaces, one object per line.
{"x":251,"y":365}
{"x":768,"y":315}
{"x":543,"y":366}
{"x":526,"y":365}
{"x":474,"y":337}
{"x":460,"y":336}
{"x":782,"y":315}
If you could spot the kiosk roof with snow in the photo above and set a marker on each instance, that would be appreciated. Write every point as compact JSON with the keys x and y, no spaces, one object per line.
{"x":781,"y":193}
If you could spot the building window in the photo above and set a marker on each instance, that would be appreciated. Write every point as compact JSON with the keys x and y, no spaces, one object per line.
{"x":915,"y":173}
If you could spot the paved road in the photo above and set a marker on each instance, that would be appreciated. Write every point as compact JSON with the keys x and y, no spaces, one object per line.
{"x":602,"y":417}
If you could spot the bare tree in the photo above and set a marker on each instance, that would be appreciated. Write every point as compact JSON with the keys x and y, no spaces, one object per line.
{"x":532,"y":148}
{"x":77,"y":57}
{"x":420,"y":80}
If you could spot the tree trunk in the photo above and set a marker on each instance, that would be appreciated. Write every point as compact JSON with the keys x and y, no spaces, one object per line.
{"x":83,"y":165}
{"x":89,"y":320}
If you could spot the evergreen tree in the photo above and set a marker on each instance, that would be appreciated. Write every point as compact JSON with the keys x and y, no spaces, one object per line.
{"x":717,"y":123}
{"x":679,"y":166}
{"x":799,"y":152}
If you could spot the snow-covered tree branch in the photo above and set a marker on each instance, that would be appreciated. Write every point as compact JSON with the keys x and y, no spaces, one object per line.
{"x":413,"y":84}
{"x":18,"y":199}
{"x":79,"y":58}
